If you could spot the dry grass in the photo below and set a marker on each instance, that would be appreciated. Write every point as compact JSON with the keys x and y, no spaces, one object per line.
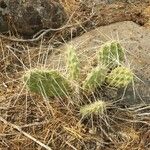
{"x":28,"y":121}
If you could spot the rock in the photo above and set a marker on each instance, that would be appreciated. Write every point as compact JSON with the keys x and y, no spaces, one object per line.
{"x":3,"y":25}
{"x":3,"y":22}
{"x":135,"y":39}
{"x":105,"y":12}
{"x":30,"y":16}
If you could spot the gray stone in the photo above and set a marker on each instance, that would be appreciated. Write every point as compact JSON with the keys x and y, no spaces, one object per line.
{"x":27,"y":17}
{"x":135,"y":39}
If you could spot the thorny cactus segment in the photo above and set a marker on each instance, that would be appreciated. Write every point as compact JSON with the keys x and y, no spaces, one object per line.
{"x":95,"y":108}
{"x":95,"y":79}
{"x":120,"y":77}
{"x":111,"y":54}
{"x":72,"y":63}
{"x":47,"y":83}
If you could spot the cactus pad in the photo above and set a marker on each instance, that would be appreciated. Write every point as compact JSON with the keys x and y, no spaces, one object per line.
{"x":47,"y":83}
{"x":95,"y":79}
{"x":95,"y":108}
{"x":111,"y":54}
{"x":120,"y":77}
{"x":72,"y":63}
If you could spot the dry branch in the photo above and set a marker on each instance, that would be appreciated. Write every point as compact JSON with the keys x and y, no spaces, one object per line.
{"x":25,"y":134}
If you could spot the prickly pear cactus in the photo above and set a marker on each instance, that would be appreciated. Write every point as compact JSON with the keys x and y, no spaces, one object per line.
{"x":95,"y":108}
{"x":72,"y":63}
{"x":111,"y":54}
{"x":120,"y":77}
{"x":45,"y":82}
{"x":95,"y":79}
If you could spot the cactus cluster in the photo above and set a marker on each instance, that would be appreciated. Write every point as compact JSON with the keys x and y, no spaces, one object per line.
{"x":110,"y":70}
{"x":112,"y":55}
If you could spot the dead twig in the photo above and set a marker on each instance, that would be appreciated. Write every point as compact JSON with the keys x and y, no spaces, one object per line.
{"x":24,"y":133}
{"x":43,"y":32}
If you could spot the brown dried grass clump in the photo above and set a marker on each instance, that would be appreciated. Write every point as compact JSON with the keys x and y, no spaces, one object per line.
{"x":70,"y":6}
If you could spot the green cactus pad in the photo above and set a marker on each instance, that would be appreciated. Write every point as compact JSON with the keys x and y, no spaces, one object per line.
{"x":111,"y":54}
{"x":95,"y":108}
{"x":95,"y":79}
{"x":72,"y":63}
{"x":120,"y":77}
{"x":47,"y":83}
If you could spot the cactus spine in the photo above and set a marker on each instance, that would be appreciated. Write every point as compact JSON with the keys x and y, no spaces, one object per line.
{"x":95,"y":79}
{"x":72,"y":63}
{"x":120,"y":77}
{"x":95,"y":108}
{"x":48,"y":83}
{"x":111,"y":54}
